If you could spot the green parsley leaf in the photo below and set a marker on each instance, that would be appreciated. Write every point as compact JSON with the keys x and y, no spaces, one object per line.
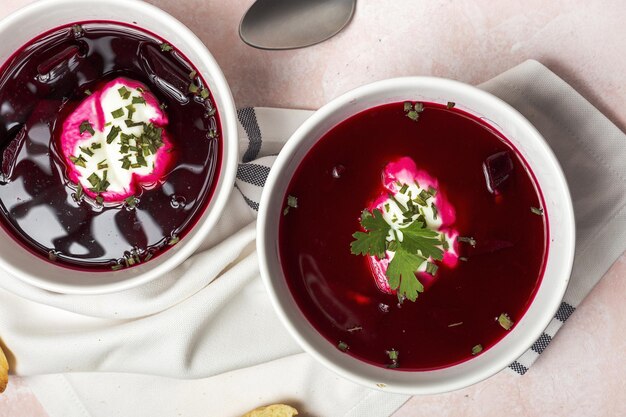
{"x":416,"y":237}
{"x":166,"y":47}
{"x":374,"y":242}
{"x":401,"y":273}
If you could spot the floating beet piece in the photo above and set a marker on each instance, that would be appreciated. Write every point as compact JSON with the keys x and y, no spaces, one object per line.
{"x":497,"y":169}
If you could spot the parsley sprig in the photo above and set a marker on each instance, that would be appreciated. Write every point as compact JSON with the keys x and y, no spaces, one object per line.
{"x":413,"y":245}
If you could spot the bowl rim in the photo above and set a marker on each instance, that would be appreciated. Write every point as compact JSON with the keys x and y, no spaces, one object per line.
{"x":264,"y":242}
{"x":227,"y":170}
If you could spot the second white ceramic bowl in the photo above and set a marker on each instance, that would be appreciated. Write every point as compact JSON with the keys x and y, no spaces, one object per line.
{"x":523,"y":136}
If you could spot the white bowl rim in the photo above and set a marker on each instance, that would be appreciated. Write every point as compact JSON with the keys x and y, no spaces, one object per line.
{"x":226,"y":178}
{"x":270,"y":281}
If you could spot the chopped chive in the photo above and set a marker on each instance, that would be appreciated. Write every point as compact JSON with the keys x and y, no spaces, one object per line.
{"x":148,"y":257}
{"x":424,"y":195}
{"x":419,"y":107}
{"x":393,"y":354}
{"x":420,"y":201}
{"x":537,"y":210}
{"x":86,"y":151}
{"x":387,"y":207}
{"x":450,"y":104}
{"x":117,"y":113}
{"x":204,"y":93}
{"x":413,"y":115}
{"x":139,"y":100}
{"x":115,"y":130}
{"x":505,"y":321}
{"x":465,"y":239}
{"x":130,"y":123}
{"x":477,"y":349}
{"x":455,"y":324}
{"x":212,"y":133}
{"x":292,"y":201}
{"x":140,"y":90}
{"x":193,"y":74}
{"x":99,"y":199}
{"x":404,"y":188}
{"x":343,"y":346}
{"x":435,"y":211}
{"x":87,"y":92}
{"x":96,"y":145}
{"x":77,"y":30}
{"x":463,"y":259}
{"x":166,"y":47}
{"x":131,"y":201}
{"x":93,"y":179}
{"x":135,"y":165}
{"x":78,"y":195}
{"x":210,"y":113}
{"x":124,"y":149}
{"x":407,"y":106}
{"x":193,"y":88}
{"x":85,"y":126}
{"x":173,"y":240}
{"x":124,"y":92}
{"x":131,"y":111}
{"x":116,"y":267}
{"x":432,"y":191}
{"x":431,"y":268}
{"x":163,"y":106}
{"x":102,"y":165}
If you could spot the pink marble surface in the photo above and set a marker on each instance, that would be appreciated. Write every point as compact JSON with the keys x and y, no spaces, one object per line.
{"x":581,"y":374}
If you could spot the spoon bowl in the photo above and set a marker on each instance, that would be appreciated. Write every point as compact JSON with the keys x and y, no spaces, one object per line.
{"x":291,"y":24}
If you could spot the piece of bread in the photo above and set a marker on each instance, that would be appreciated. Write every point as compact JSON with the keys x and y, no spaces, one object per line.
{"x":4,"y":371}
{"x":274,"y":410}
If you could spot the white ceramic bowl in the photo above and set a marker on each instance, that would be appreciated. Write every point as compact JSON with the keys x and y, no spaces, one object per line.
{"x":558,"y":210}
{"x":22,"y":26}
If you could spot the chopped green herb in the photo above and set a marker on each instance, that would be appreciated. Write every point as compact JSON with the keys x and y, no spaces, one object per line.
{"x":124,"y":92}
{"x":117,"y":113}
{"x":477,"y":349}
{"x":455,"y":324}
{"x":419,"y":107}
{"x":419,"y":201}
{"x":79,"y":161}
{"x":450,"y":104}
{"x":96,"y":145}
{"x":166,"y":47}
{"x":435,"y":211}
{"x":425,"y":195}
{"x":431,"y":268}
{"x":393,"y":354}
{"x":537,"y":210}
{"x":505,"y":321}
{"x":116,"y":267}
{"x":387,"y":207}
{"x":292,"y":201}
{"x":99,"y":199}
{"x":131,"y":201}
{"x":210,"y":113}
{"x":193,"y":74}
{"x":139,"y":100}
{"x":86,"y":151}
{"x":355,"y":329}
{"x":173,"y":240}
{"x":432,"y":191}
{"x":404,"y":188}
{"x":465,"y":239}
{"x":130,"y":123}
{"x":52,"y":255}
{"x":204,"y":93}
{"x":413,"y":115}
{"x":212,"y":133}
{"x":78,"y":195}
{"x":87,"y":92}
{"x":115,"y":130}
{"x":102,"y":165}
{"x":407,"y":106}
{"x":193,"y":88}
{"x":125,"y":162}
{"x":85,"y":126}
{"x":93,"y":179}
{"x":163,"y":106}
{"x":131,"y":111}
{"x":463,"y":259}
{"x":342,"y":346}
{"x":148,"y":256}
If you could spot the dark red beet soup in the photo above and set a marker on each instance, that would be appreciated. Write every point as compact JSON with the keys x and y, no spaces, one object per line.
{"x":110,"y":146}
{"x":413,"y":236}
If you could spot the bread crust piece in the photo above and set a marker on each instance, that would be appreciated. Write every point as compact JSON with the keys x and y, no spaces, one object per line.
{"x":4,"y":371}
{"x":274,"y":410}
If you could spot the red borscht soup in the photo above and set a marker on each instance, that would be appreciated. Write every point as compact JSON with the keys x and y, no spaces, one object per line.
{"x":110,"y":146}
{"x":413,"y":236}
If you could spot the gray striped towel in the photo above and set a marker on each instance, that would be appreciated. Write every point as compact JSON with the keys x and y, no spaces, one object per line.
{"x":590,"y":149}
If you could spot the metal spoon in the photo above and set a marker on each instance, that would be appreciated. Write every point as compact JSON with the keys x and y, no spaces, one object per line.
{"x":290,"y":24}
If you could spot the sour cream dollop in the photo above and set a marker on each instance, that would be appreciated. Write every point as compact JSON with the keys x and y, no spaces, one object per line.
{"x":115,"y":142}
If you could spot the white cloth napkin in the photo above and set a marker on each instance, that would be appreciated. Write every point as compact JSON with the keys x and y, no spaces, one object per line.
{"x":211,"y":323}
